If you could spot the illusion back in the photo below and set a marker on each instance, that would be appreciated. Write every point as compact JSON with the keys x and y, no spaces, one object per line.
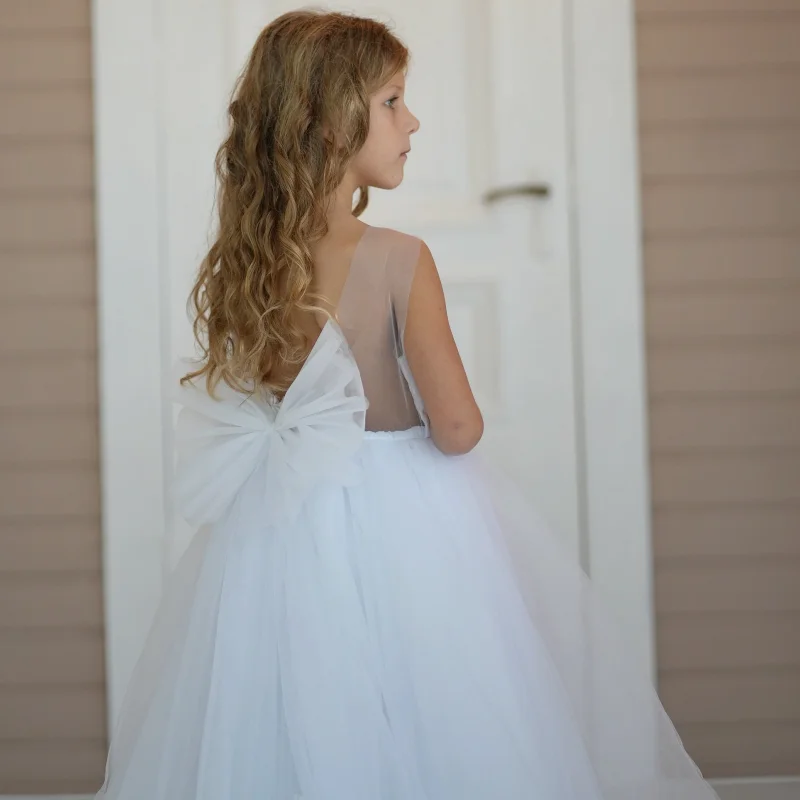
{"x":372,"y":314}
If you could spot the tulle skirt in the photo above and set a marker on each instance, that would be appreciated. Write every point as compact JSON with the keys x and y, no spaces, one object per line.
{"x":419,"y":635}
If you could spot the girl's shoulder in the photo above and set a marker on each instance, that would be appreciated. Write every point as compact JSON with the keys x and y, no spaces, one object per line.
{"x":402,"y":249}
{"x":394,"y":237}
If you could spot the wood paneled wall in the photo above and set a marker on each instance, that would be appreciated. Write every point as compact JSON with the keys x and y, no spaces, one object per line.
{"x":52,"y":681}
{"x":719,"y":105}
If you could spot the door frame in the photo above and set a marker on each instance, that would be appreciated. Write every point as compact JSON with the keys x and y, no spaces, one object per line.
{"x":134,"y":324}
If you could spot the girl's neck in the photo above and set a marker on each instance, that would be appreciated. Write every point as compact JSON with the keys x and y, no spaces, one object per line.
{"x":340,"y":209}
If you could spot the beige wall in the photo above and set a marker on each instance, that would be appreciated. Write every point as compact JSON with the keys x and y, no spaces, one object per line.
{"x":52,"y":701}
{"x":719,"y":95}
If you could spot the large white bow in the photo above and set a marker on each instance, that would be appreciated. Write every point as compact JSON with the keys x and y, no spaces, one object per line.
{"x":292,"y":446}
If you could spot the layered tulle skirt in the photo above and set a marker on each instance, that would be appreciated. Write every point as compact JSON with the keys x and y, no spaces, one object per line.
{"x":416,"y":635}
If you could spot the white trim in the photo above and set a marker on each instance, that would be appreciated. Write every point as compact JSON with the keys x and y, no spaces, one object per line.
{"x":129,"y":297}
{"x":758,"y":788}
{"x":611,"y":359}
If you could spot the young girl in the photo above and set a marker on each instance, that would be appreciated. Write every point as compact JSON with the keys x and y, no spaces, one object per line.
{"x":365,"y":613}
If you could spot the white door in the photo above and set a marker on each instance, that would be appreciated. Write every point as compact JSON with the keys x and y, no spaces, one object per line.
{"x":487,"y":82}
{"x":527,"y":128}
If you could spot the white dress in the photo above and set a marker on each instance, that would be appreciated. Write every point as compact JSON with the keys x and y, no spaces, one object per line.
{"x":360,"y":617}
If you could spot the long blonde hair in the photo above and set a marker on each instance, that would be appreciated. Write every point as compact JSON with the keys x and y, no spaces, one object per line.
{"x":307,"y":70}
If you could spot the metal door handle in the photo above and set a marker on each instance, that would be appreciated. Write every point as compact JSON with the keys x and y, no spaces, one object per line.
{"x":523,"y":189}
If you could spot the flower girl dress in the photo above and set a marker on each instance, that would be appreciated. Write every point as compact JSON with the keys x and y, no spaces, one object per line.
{"x":360,"y":617}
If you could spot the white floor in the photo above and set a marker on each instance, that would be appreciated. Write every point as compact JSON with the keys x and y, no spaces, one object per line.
{"x":738,"y":789}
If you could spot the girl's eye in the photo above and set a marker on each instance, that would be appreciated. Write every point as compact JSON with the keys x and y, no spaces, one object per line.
{"x":392,"y":100}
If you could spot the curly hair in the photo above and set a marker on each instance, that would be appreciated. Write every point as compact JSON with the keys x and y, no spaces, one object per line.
{"x":309,"y":73}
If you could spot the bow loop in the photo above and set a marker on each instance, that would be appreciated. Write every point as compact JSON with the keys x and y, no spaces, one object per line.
{"x":286,"y":448}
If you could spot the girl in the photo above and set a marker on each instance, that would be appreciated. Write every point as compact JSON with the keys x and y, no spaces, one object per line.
{"x":361,"y":615}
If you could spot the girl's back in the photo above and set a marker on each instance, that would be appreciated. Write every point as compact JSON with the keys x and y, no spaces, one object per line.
{"x":371,"y":310}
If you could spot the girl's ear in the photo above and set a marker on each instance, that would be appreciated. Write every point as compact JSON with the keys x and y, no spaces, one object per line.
{"x":329,"y":133}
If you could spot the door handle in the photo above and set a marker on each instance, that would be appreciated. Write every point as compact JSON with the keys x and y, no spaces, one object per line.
{"x":516,"y":190}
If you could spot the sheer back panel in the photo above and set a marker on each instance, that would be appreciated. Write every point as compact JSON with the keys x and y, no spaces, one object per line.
{"x":372,"y":314}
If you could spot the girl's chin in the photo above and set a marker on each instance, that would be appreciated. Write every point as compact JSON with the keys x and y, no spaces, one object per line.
{"x":388,"y":183}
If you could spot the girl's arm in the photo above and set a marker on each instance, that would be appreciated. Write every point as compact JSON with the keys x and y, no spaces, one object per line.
{"x":455,"y":419}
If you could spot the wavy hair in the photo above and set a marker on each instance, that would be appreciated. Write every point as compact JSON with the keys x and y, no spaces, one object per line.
{"x":309,"y":73}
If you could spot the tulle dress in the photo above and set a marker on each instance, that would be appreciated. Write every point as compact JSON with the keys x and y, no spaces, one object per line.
{"x":360,"y":617}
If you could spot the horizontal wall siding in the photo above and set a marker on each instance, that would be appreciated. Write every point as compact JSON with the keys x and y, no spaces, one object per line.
{"x":52,"y":676}
{"x":719,"y":105}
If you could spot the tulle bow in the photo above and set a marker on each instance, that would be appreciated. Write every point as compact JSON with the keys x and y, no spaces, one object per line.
{"x":281,"y":449}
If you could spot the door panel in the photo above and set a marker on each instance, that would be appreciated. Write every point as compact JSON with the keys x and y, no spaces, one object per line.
{"x":487,"y":82}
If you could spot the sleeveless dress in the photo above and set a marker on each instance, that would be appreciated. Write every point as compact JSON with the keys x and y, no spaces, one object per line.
{"x":361,"y":617}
